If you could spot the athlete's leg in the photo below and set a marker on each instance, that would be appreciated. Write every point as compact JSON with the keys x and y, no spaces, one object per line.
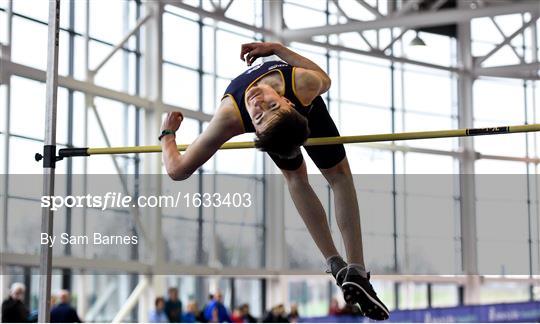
{"x":346,"y":207}
{"x":356,"y":286}
{"x":310,"y":209}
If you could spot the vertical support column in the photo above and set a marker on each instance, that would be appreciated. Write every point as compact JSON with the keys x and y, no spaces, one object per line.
{"x":466,"y":178}
{"x":273,"y":18}
{"x":534,"y":41}
{"x":4,"y":281}
{"x":275,"y":246}
{"x":82,"y":303}
{"x":82,"y":300}
{"x":152,"y":90}
{"x":535,"y":226}
{"x":530,"y":117}
{"x":49,"y":161}
{"x":6,"y":54}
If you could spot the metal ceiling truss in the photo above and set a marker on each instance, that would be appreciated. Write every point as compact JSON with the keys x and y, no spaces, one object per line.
{"x":406,"y":17}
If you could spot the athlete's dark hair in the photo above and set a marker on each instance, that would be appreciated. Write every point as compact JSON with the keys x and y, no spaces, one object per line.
{"x":284,"y":136}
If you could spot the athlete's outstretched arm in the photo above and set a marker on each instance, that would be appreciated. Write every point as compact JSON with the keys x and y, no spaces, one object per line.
{"x":181,"y":166}
{"x":252,"y":51}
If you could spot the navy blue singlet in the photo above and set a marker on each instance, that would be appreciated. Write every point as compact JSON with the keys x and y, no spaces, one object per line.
{"x":319,"y":121}
{"x":238,"y":86}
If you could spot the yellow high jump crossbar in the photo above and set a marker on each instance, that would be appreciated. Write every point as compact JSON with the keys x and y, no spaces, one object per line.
{"x":464,"y":132}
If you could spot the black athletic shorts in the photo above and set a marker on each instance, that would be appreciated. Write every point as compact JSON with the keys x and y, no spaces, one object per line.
{"x":320,"y":125}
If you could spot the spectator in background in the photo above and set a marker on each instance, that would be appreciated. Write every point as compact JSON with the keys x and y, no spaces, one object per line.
{"x":202,"y":317}
{"x":352,"y":310}
{"x":293,"y":314}
{"x":173,"y":306}
{"x":334,"y":309}
{"x":192,"y":314}
{"x":215,"y":311}
{"x":13,"y":308}
{"x":236,"y":316}
{"x":158,"y":315}
{"x":246,"y":316}
{"x":276,"y":315}
{"x":63,"y":312}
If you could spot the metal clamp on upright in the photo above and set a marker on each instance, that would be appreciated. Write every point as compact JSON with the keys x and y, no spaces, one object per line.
{"x":49,"y":154}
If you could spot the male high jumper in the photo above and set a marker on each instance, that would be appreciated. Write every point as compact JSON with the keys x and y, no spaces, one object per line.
{"x":280,"y":101}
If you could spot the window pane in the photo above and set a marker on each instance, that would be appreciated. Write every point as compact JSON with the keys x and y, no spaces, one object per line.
{"x":439,"y":49}
{"x":249,"y":12}
{"x":302,"y":253}
{"x":379,"y":222}
{"x":21,"y":152}
{"x":111,"y":75}
{"x":444,"y":295}
{"x":237,"y":245}
{"x":491,"y":293}
{"x":311,"y":296}
{"x":364,"y":83}
{"x":497,"y":257}
{"x":22,"y":234}
{"x":23,"y":106}
{"x":229,"y":64}
{"x":412,"y":296}
{"x":357,"y":120}
{"x":180,"y":87}
{"x":417,"y":163}
{"x":181,"y":240}
{"x":211,"y":99}
{"x":250,"y":294}
{"x":3,"y":106}
{"x":2,"y":155}
{"x":112,"y":117}
{"x":37,"y":9}
{"x":486,"y":166}
{"x":428,"y":90}
{"x":368,"y":161}
{"x":3,"y":31}
{"x":24,"y":48}
{"x":292,"y":12}
{"x":180,"y":47}
{"x":413,"y":122}
{"x":110,"y":12}
{"x":498,"y":101}
{"x":379,"y":258}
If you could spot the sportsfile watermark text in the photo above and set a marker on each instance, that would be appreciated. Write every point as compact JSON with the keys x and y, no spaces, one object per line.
{"x":113,"y":200}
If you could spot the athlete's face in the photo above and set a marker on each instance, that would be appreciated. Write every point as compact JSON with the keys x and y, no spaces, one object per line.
{"x":265,"y":105}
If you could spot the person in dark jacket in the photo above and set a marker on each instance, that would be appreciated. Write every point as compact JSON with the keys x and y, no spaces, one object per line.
{"x":246,"y":315}
{"x":276,"y":315}
{"x":293,"y":316}
{"x":63,"y":312}
{"x":13,"y":308}
{"x":173,"y":306}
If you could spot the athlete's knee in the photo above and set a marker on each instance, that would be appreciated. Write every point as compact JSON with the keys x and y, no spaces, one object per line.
{"x":296,"y":177}
{"x":338,"y":173}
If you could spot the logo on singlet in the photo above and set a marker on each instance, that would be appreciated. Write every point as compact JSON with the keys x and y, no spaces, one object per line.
{"x":275,"y":66}
{"x":256,"y":67}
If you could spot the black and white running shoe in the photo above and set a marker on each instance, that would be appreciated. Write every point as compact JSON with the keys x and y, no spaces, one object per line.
{"x":338,"y":269}
{"x":357,"y":289}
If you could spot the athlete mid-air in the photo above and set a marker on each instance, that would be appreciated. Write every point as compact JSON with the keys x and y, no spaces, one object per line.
{"x":280,"y":101}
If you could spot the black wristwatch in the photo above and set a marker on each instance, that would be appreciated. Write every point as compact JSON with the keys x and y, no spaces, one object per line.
{"x":166,"y":132}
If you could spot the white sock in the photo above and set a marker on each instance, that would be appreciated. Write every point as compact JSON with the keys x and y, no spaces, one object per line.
{"x":360,"y":268}
{"x":332,"y":259}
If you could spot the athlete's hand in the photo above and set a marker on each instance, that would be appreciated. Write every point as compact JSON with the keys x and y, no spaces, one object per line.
{"x":172,"y":121}
{"x":252,"y":51}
